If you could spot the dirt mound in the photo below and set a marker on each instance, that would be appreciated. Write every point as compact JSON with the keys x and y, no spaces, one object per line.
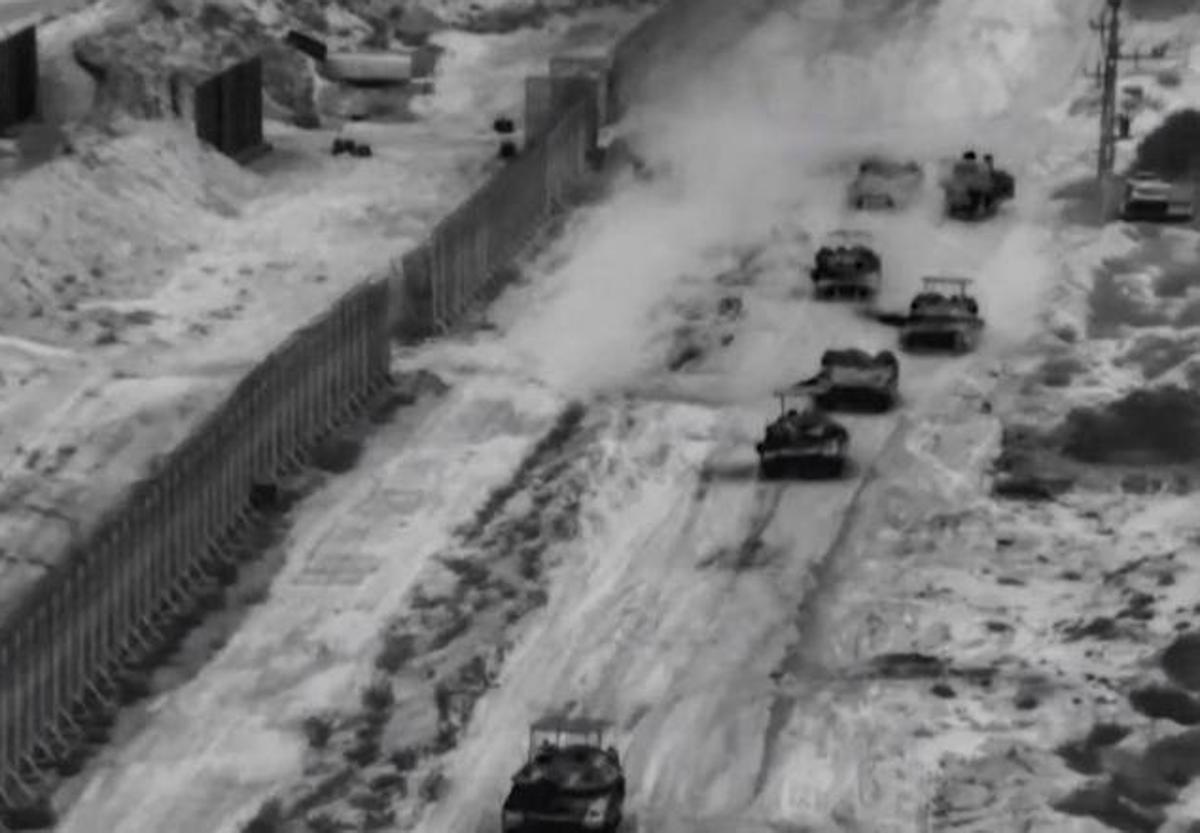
{"x":1173,"y":148}
{"x":173,"y":41}
{"x":104,"y":223}
{"x":136,"y":63}
{"x":1181,"y":661}
{"x":1149,"y":425}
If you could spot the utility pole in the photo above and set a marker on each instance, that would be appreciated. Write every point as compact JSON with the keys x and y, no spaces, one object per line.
{"x":1109,"y":28}
{"x":1108,"y":25}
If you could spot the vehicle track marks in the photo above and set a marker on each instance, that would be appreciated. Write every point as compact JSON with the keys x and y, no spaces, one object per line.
{"x":799,"y":660}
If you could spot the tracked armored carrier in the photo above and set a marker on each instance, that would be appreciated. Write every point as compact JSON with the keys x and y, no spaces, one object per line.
{"x":806,"y":443}
{"x":1151,"y":198}
{"x":847,"y":266}
{"x":883,"y":183}
{"x":855,"y":380}
{"x":572,"y":781}
{"x":942,"y":317}
{"x":975,"y":188}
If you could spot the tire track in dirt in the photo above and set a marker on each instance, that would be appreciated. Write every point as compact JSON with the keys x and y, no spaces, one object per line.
{"x":797,"y":662}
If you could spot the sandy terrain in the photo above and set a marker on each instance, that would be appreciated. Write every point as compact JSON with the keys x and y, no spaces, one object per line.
{"x":884,"y":652}
{"x":146,"y":273}
{"x":574,"y":525}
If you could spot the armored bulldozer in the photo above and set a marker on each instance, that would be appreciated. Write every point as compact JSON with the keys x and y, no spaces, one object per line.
{"x":806,"y":443}
{"x":847,"y":265}
{"x":1151,"y":198}
{"x":883,"y":183}
{"x":943,"y":316}
{"x":974,"y":189}
{"x":572,"y":781}
{"x":855,"y":380}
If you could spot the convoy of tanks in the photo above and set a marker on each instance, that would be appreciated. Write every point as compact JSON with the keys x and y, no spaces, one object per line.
{"x":572,"y":781}
{"x":943,"y":317}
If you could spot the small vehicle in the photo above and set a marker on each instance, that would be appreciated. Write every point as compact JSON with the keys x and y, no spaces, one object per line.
{"x":847,"y":266}
{"x":1149,"y":197}
{"x":975,"y":189}
{"x":883,"y":183}
{"x":806,"y":443}
{"x":855,"y":380}
{"x":572,"y":780}
{"x":350,"y":146}
{"x":944,"y":316}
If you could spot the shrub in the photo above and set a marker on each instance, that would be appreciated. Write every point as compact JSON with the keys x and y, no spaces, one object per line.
{"x":378,"y":696}
{"x":1173,"y":148}
{"x":1156,"y":425}
{"x":318,"y":729}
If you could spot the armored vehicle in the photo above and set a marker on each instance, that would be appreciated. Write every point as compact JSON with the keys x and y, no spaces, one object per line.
{"x":1152,"y":198}
{"x":855,"y":380}
{"x":847,"y":266}
{"x":943,"y":316}
{"x":572,"y":781}
{"x":807,"y":443}
{"x":974,"y":189}
{"x":883,"y":183}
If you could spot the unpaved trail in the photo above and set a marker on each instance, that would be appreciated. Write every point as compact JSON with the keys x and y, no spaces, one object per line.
{"x":684,"y":618}
{"x":678,"y":608}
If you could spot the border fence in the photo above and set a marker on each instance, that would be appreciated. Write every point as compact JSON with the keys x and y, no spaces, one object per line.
{"x":18,"y":76}
{"x":67,"y":648}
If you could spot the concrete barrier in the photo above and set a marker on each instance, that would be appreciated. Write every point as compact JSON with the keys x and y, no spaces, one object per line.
{"x":110,"y":605}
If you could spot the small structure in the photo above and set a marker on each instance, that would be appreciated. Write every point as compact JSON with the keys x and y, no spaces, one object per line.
{"x":228,"y":110}
{"x":18,"y":72}
{"x":362,"y":68}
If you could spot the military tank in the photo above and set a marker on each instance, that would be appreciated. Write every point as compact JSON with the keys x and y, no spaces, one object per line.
{"x":802,"y":443}
{"x":571,"y":782}
{"x":847,"y":266}
{"x":943,"y":316}
{"x":884,"y":183}
{"x":855,"y":380}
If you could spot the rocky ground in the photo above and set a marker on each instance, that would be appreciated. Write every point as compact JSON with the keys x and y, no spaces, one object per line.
{"x":1048,"y":583}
